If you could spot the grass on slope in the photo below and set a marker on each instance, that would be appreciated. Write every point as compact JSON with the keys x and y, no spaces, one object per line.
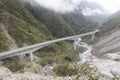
{"x":26,"y":29}
{"x":4,"y":41}
{"x":107,"y":27}
{"x":61,"y":53}
{"x":53,"y":21}
{"x":18,"y":10}
{"x":21,"y":25}
{"x":22,"y":31}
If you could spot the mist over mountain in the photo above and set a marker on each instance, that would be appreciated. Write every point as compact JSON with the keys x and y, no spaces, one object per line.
{"x":111,"y":23}
{"x":61,"y":6}
{"x":93,"y":11}
{"x":90,"y":10}
{"x":74,"y":20}
{"x":113,"y":16}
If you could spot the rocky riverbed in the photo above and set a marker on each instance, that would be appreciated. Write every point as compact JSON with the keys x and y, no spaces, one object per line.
{"x":6,"y":74}
{"x":108,"y":67}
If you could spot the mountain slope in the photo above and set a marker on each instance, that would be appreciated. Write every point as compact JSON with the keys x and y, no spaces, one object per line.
{"x":54,"y":22}
{"x":61,"y":24}
{"x":4,"y":41}
{"x":110,"y":37}
{"x":111,"y":17}
{"x":18,"y":28}
{"x":78,"y":22}
{"x":19,"y":20}
{"x":93,"y":11}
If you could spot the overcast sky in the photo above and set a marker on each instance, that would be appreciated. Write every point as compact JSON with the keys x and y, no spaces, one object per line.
{"x":67,"y":5}
{"x":57,"y":5}
{"x":110,"y":5}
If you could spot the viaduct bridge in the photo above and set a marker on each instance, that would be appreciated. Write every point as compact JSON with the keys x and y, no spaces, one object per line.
{"x":29,"y":50}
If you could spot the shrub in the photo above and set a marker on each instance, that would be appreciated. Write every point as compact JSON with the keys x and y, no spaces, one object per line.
{"x":66,"y":69}
{"x":32,"y":67}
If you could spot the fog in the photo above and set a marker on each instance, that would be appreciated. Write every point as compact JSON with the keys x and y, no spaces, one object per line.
{"x":110,"y":5}
{"x":61,"y":6}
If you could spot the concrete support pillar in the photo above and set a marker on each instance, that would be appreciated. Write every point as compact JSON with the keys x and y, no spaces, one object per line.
{"x":31,"y":57}
{"x":21,"y":58}
{"x":93,"y":37}
{"x":75,"y":44}
{"x":76,"y":41}
{"x":26,"y":57}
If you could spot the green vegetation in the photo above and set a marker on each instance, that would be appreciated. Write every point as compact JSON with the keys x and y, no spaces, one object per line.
{"x":60,"y":53}
{"x":53,"y":21}
{"x":78,"y":22}
{"x":111,"y":25}
{"x":24,"y":28}
{"x":13,"y":64}
{"x":66,"y":69}
{"x":33,"y":67}
{"x":61,"y":25}
{"x":1,"y":79}
{"x":82,"y":72}
{"x":30,"y":25}
{"x":28,"y":35}
{"x":87,"y":73}
{"x":18,"y":10}
{"x":4,"y":41}
{"x":19,"y":20}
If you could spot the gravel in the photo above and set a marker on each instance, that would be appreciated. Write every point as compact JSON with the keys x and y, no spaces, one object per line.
{"x":6,"y":74}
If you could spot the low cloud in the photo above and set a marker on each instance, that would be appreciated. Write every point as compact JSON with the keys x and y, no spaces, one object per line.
{"x":60,"y":6}
{"x":89,"y":12}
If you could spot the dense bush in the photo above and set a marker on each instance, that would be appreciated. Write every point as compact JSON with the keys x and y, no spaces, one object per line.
{"x":12,"y":64}
{"x":66,"y":69}
{"x":58,"y":52}
{"x":32,"y":67}
{"x":4,"y":41}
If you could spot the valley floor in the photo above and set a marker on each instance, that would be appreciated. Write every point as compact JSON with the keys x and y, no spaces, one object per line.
{"x":107,"y":68}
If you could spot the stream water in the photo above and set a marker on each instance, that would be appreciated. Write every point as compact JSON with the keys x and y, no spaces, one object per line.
{"x":87,"y":55}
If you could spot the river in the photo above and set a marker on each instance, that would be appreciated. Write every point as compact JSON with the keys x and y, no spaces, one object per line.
{"x":87,"y":55}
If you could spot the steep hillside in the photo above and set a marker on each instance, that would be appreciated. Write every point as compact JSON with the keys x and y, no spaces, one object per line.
{"x":54,"y":22}
{"x":115,"y":15}
{"x":110,"y":26}
{"x":18,"y":20}
{"x":18,"y":28}
{"x":93,"y":11}
{"x":4,"y":41}
{"x":78,"y":22}
{"x":61,"y":24}
{"x":110,"y":37}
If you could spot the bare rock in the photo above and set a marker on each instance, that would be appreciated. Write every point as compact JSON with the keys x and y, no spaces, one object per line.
{"x":112,"y":56}
{"x":107,"y":68}
{"x":4,"y":72}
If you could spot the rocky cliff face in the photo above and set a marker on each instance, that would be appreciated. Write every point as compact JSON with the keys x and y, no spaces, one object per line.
{"x":109,"y":36}
{"x":109,"y":44}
